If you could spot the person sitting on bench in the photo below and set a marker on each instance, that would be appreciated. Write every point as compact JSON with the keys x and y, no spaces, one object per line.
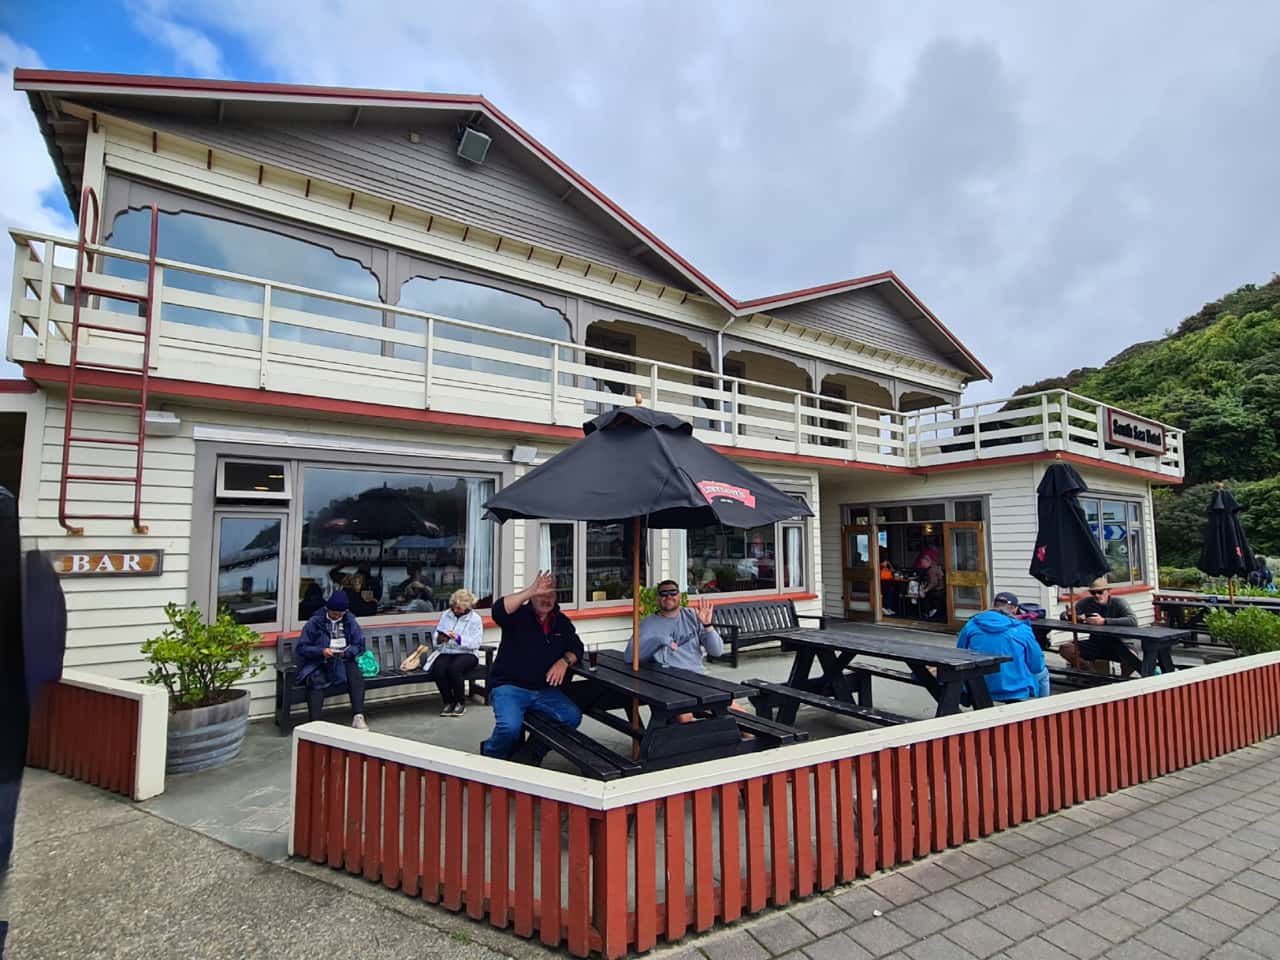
{"x":1100,"y":608}
{"x":452,"y":655}
{"x":999,"y":631}
{"x":327,"y":649}
{"x":538,"y":646}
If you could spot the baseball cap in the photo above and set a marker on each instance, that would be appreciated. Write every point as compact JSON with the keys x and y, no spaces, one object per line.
{"x":1006,"y":598}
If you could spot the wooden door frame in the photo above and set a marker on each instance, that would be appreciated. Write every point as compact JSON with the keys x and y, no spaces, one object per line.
{"x":984,"y":562}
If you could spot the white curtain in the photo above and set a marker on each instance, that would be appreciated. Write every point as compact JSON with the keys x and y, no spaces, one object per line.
{"x":477,"y":574}
{"x":544,"y":546}
{"x":680,"y":559}
{"x":793,"y":550}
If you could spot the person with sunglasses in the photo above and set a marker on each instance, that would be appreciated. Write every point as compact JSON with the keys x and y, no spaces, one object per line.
{"x":676,"y":636}
{"x":1101,"y":608}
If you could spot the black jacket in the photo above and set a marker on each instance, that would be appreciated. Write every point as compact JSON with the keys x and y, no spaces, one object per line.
{"x":526,"y":652}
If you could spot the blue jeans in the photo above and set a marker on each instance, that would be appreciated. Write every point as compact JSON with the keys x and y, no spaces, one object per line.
{"x":509,"y":706}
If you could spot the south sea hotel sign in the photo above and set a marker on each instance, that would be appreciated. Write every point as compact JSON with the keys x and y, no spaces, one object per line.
{"x":1126,"y":430}
{"x":108,"y":563}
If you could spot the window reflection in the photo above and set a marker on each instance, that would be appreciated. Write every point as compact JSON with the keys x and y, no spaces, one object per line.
{"x":478,"y":304}
{"x":249,"y":567}
{"x":555,"y":553}
{"x":395,"y":542}
{"x":724,"y":559}
{"x":609,"y":561}
{"x":241,"y":248}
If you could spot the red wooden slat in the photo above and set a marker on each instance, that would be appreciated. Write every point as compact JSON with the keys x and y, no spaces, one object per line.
{"x":1065,"y":725}
{"x":955,"y":792}
{"x":1238,"y":710}
{"x":579,"y":881}
{"x":905,"y":804}
{"x":704,"y":881}
{"x":824,"y":814}
{"x":476,"y":823}
{"x":432,"y":824}
{"x":355,"y":812}
{"x":730,"y":855}
{"x":922,"y":814}
{"x":305,"y":788}
{"x":390,"y":825}
{"x":1041,"y":759}
{"x":1089,"y":741}
{"x":1017,"y":796}
{"x":887,"y":809}
{"x":1053,"y":762}
{"x":101,"y":762}
{"x":802,"y":830}
{"x":337,"y":802}
{"x":453,"y":830}
{"x":112,"y":771}
{"x":1197,"y":725}
{"x":845,"y":819}
{"x":647,"y":871}
{"x":613,"y":932}
{"x":321,"y":786}
{"x":523,"y":924}
{"x":780,"y":839}
{"x":372,"y":819}
{"x":499,"y":856}
{"x":757,"y":875}
{"x":411,"y":860}
{"x":135,"y":722}
{"x":673,"y":831}
{"x":866,"y":817}
{"x":986,"y":784}
{"x":1139,"y":737}
{"x":969,"y":752}
{"x":1179,"y":728}
{"x":1124,"y":740}
{"x":1157,"y":712}
{"x":549,"y":874}
{"x":1110,"y":729}
{"x":1028,"y":750}
{"x":938,"y":793}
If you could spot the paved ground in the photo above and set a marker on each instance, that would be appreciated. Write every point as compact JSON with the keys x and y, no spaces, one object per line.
{"x":1183,"y":867}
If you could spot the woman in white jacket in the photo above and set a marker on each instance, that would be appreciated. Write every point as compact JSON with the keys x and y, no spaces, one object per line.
{"x":452,"y":655}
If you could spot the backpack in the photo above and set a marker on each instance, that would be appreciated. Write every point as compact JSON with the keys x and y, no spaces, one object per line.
{"x":1031,"y":611}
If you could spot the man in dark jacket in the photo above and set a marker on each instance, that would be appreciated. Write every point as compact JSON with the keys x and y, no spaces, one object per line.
{"x":327,"y":649}
{"x":538,"y":646}
{"x":1100,"y":608}
{"x":998,"y":631}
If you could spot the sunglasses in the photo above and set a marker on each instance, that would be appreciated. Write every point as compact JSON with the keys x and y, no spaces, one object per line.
{"x":1097,"y":593}
{"x":668,"y":593}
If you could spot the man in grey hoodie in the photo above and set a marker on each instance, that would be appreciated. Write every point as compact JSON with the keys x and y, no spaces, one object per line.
{"x":675,"y":636}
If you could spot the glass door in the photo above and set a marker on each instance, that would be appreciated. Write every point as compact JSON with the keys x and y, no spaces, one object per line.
{"x":965,"y":570}
{"x":246,"y":576}
{"x":858,"y":549}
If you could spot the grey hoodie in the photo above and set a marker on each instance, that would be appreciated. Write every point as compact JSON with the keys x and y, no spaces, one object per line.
{"x":676,"y":641}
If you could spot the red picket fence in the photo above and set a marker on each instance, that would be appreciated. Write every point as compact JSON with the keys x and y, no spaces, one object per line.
{"x":609,"y":874}
{"x":87,"y":735}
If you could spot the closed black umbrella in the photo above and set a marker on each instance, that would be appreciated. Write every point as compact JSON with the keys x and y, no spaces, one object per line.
{"x":1226,"y":550}
{"x":1067,"y":553}
{"x":641,"y":465}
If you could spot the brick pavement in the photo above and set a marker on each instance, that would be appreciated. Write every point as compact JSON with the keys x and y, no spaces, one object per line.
{"x":1182,"y":867}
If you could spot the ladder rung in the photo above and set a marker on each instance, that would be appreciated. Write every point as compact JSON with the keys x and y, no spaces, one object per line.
{"x":95,"y":478}
{"x":78,"y":439}
{"x":103,"y":327}
{"x":99,"y":516}
{"x":107,"y":366}
{"x":106,"y":403}
{"x":114,"y":294}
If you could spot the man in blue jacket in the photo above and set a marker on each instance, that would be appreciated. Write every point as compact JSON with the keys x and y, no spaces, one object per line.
{"x":999,"y":631}
{"x":327,"y":650}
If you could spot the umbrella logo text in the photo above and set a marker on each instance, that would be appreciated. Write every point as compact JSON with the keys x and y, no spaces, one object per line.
{"x":711,"y":489}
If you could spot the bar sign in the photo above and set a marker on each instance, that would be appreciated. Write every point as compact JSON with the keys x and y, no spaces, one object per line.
{"x":108,"y":563}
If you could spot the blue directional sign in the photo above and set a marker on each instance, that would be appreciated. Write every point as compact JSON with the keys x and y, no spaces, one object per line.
{"x":1113,"y":531}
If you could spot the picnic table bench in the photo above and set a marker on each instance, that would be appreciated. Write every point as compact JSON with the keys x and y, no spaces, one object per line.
{"x":744,"y":624}
{"x":391,"y":646}
{"x":591,"y":758}
{"x":1157,"y":642}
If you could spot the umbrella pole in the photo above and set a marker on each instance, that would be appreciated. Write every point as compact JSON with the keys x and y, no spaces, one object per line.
{"x":635,"y":629}
{"x":1231,"y":590}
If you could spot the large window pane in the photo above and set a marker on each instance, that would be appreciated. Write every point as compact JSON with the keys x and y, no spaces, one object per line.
{"x":1115,"y":540}
{"x":249,"y":567}
{"x":793,"y":557}
{"x":726,"y":559}
{"x":396,"y":542}
{"x":609,"y":556}
{"x":241,"y":248}
{"x":555,"y":553}
{"x":484,"y":305}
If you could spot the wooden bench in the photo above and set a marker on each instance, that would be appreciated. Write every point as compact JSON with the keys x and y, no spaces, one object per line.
{"x":786,"y":700}
{"x":592,"y":759}
{"x":774,"y":734}
{"x":391,"y":646}
{"x":757,"y":621}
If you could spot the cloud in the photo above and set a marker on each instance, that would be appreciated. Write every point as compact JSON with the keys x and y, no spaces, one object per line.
{"x":191,"y":49}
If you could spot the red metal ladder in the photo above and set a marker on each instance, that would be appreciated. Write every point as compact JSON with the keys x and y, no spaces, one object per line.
{"x":76,"y":366}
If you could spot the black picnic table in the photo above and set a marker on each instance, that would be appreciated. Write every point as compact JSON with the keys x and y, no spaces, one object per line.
{"x":1157,"y":642}
{"x":948,"y":673}
{"x":606,"y":693}
{"x":1187,"y":611}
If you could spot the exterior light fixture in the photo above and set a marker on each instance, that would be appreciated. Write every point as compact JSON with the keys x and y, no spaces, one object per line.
{"x":473,"y":145}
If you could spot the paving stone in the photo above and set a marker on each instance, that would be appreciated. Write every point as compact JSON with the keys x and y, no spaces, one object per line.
{"x":1014,"y":841}
{"x":1107,"y":923}
{"x":1233,"y":951}
{"x":1195,"y":924}
{"x":980,"y":939}
{"x":1164,"y":897}
{"x":1145,"y":857}
{"x":1183,"y":882}
{"x":955,"y":906}
{"x":1174,"y":942}
{"x":1223,"y":858}
{"x":937,"y":947}
{"x":1205,"y":870}
{"x":1228,"y":913}
{"x":1039,"y":833}
{"x":821,"y":916}
{"x":961,"y":864}
{"x":1015,"y":878}
{"x":1071,"y":893}
{"x":992,"y":854}
{"x":1135,"y":950}
{"x":1069,"y":854}
{"x":1099,"y":880}
{"x":1249,"y":851}
{"x":989,"y":893}
{"x":1135,"y":909}
{"x":780,"y":933}
{"x":1012,"y":922}
{"x":1256,"y":880}
{"x":1244,"y":896}
{"x":735,"y":945}
{"x":1259,"y":939}
{"x":1076,"y":940}
{"x":1117,"y":838}
{"x":1037,"y":948}
{"x":1043,"y":907}
{"x":1124,"y":869}
{"x":918,"y":919}
{"x":898,"y":889}
{"x":861,"y":903}
{"x":929,"y":875}
{"x":1044,"y":866}
{"x":837,"y":946}
{"x":878,"y":936}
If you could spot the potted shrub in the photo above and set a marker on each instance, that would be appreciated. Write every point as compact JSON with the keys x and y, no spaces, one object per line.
{"x":199,"y":664}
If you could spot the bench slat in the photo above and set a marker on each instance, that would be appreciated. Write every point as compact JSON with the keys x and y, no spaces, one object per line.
{"x":593,"y":759}
{"x":775,"y":691}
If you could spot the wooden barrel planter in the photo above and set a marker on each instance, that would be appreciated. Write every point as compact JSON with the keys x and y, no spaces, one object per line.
{"x":202,"y":737}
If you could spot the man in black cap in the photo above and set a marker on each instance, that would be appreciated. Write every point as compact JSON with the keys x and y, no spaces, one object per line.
{"x":327,"y":649}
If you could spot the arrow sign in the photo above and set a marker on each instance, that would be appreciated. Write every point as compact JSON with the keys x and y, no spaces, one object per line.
{"x":1113,"y":531}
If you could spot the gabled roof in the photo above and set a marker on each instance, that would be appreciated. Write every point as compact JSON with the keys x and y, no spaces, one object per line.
{"x":178,"y":94}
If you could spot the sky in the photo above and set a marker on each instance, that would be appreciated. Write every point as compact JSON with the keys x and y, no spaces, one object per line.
{"x":1056,"y":181}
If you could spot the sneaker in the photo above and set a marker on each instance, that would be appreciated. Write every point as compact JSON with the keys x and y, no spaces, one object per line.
{"x":459,"y":709}
{"x":358,"y":722}
{"x":446,"y":710}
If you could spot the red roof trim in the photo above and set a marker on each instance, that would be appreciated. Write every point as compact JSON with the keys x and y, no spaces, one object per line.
{"x":23,"y":77}
{"x":17,"y":386}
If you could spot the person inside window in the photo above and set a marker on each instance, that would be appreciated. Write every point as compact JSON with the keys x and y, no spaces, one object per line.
{"x":888,"y":590}
{"x":327,"y":650}
{"x":999,"y":631}
{"x":1100,"y":608}
{"x":401,"y":589}
{"x":363,"y":590}
{"x":418,"y":599}
{"x":933,"y":596}
{"x":452,"y":655}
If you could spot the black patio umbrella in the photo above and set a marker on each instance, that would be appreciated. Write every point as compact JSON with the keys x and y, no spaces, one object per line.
{"x":1067,"y":553}
{"x":644,"y":466}
{"x":1226,"y":550}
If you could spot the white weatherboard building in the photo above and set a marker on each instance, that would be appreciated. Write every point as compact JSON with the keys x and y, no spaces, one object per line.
{"x":306,"y":332}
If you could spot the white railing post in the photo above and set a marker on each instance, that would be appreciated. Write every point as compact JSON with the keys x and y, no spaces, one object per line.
{"x":853,"y":432}
{"x":977,"y":431}
{"x":46,"y":299}
{"x":264,"y":354}
{"x":797,"y":418}
{"x":555,"y":382}
{"x":1066,"y":420}
{"x":1044,"y":420}
{"x":426,"y":372}
{"x":733,"y":412}
{"x":17,"y":293}
{"x":1100,"y":416}
{"x":653,"y":385}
